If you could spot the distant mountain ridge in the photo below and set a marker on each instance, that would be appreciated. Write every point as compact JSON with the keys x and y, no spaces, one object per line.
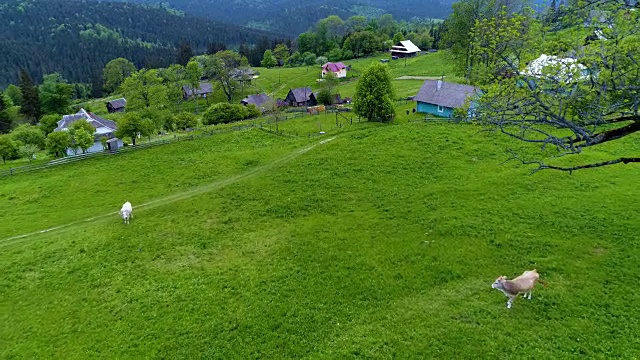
{"x":77,"y":38}
{"x":296,"y":16}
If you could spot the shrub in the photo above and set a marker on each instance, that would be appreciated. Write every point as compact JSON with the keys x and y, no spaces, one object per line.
{"x":253,"y":111}
{"x":223,"y":113}
{"x":324,"y":97}
{"x":185,"y":120}
{"x":8,"y":148}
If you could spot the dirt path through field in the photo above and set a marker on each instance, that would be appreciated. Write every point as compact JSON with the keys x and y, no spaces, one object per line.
{"x":179,"y":196}
{"x":419,"y":78}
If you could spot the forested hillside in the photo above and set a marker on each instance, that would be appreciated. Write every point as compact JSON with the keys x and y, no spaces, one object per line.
{"x":294,"y":16}
{"x":78,"y":38}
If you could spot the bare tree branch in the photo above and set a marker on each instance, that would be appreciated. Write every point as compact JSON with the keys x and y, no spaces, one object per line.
{"x":542,"y":166}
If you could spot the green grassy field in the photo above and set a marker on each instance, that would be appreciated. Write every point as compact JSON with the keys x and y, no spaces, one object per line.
{"x":380,"y":243}
{"x":277,"y":82}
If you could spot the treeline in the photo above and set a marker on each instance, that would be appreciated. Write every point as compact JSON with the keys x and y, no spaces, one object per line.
{"x":77,"y":39}
{"x":295,"y":17}
{"x":335,"y":39}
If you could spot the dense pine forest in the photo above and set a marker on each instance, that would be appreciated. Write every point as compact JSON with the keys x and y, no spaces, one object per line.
{"x":294,"y":17}
{"x":77,"y":38}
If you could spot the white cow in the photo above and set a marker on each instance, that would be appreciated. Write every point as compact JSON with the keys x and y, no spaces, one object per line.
{"x":126,"y":212}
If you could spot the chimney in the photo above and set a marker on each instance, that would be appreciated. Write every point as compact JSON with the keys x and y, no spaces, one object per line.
{"x":439,"y":84}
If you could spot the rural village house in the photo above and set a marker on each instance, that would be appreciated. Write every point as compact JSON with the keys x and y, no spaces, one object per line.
{"x":103,"y":128}
{"x":116,"y":105}
{"x":555,"y":68}
{"x":301,"y":97}
{"x":244,"y":76}
{"x":404,"y":49}
{"x":259,"y":100}
{"x":440,"y":98}
{"x":204,"y":89}
{"x":339,"y":69}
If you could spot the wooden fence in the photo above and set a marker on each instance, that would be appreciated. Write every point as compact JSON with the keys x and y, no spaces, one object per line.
{"x":122,"y":150}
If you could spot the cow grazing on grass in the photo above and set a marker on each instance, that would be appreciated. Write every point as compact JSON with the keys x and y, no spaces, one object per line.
{"x":126,"y":212}
{"x":523,"y":284}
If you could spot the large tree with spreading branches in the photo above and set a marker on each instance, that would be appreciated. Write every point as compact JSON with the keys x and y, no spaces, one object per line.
{"x":586,"y":95}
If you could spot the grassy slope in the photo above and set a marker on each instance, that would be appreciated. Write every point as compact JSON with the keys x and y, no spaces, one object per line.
{"x":381,"y":243}
{"x":426,"y":65}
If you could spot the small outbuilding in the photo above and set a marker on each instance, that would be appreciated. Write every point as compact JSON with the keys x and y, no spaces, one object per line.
{"x":301,"y":97}
{"x":116,"y":105}
{"x":259,"y":100}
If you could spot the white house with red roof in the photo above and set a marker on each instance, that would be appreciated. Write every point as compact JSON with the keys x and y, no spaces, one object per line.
{"x":339,"y":69}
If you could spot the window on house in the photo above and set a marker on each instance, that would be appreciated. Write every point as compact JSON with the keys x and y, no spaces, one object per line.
{"x":440,"y":108}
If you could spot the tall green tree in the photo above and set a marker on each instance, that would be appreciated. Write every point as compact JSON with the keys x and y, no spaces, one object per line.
{"x":143,"y":89}
{"x":374,"y":94}
{"x":58,"y":142}
{"x":458,"y":30}
{"x":268,"y":60}
{"x":460,"y":23}
{"x":361,"y":43}
{"x":184,"y":53}
{"x":55,"y":94}
{"x":28,"y":134}
{"x":30,"y":105}
{"x":500,"y":43}
{"x":83,"y":139}
{"x":566,"y":105}
{"x":14,"y":93}
{"x":193,"y":72}
{"x":8,"y":148}
{"x":281,"y":52}
{"x":387,"y":25}
{"x":133,"y":124}
{"x":115,"y":72}
{"x":355,"y":24}
{"x":5,"y":118}
{"x":174,"y":78}
{"x":221,"y":67}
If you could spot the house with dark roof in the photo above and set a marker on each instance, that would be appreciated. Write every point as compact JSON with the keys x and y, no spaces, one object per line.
{"x":301,"y":97}
{"x":203,"y":90}
{"x":339,"y":69}
{"x":244,"y":76}
{"x":116,"y":105}
{"x":259,"y":100}
{"x":103,"y":128}
{"x":404,"y":49}
{"x":440,"y":98}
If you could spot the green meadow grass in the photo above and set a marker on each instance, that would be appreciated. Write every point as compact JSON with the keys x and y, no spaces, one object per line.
{"x":380,"y":243}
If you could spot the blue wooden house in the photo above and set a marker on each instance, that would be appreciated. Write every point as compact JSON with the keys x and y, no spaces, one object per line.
{"x":440,"y":98}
